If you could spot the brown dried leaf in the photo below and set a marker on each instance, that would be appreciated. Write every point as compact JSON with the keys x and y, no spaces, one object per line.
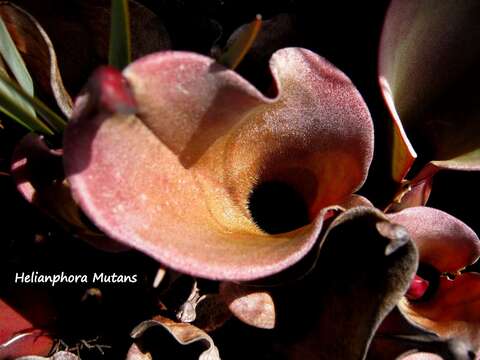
{"x":184,"y":333}
{"x":188,"y":310}
{"x":212,"y":313}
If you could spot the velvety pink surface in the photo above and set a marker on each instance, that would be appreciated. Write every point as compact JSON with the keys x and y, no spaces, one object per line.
{"x":443,"y":241}
{"x":174,"y":180}
{"x":252,"y":306}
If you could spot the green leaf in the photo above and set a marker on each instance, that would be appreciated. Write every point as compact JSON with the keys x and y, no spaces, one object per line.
{"x":14,"y":106}
{"x":14,"y":60}
{"x":17,"y":101}
{"x":120,"y":48}
{"x":53,"y":120}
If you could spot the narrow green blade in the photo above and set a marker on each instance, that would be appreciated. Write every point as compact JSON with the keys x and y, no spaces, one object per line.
{"x":54,"y":121}
{"x":120,"y":49}
{"x":17,"y":101}
{"x":14,"y":106}
{"x":14,"y":60}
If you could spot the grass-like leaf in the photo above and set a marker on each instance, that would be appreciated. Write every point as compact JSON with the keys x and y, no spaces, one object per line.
{"x":12,"y":104}
{"x":18,"y":109}
{"x":14,"y":60}
{"x":53,"y":120}
{"x":17,"y":100}
{"x":120,"y":48}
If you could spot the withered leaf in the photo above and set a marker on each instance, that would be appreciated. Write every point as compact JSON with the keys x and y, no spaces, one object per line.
{"x":212,"y":313}
{"x":183,"y":333}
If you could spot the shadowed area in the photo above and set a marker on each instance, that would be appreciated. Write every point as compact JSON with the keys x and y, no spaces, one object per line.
{"x":276,"y":207}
